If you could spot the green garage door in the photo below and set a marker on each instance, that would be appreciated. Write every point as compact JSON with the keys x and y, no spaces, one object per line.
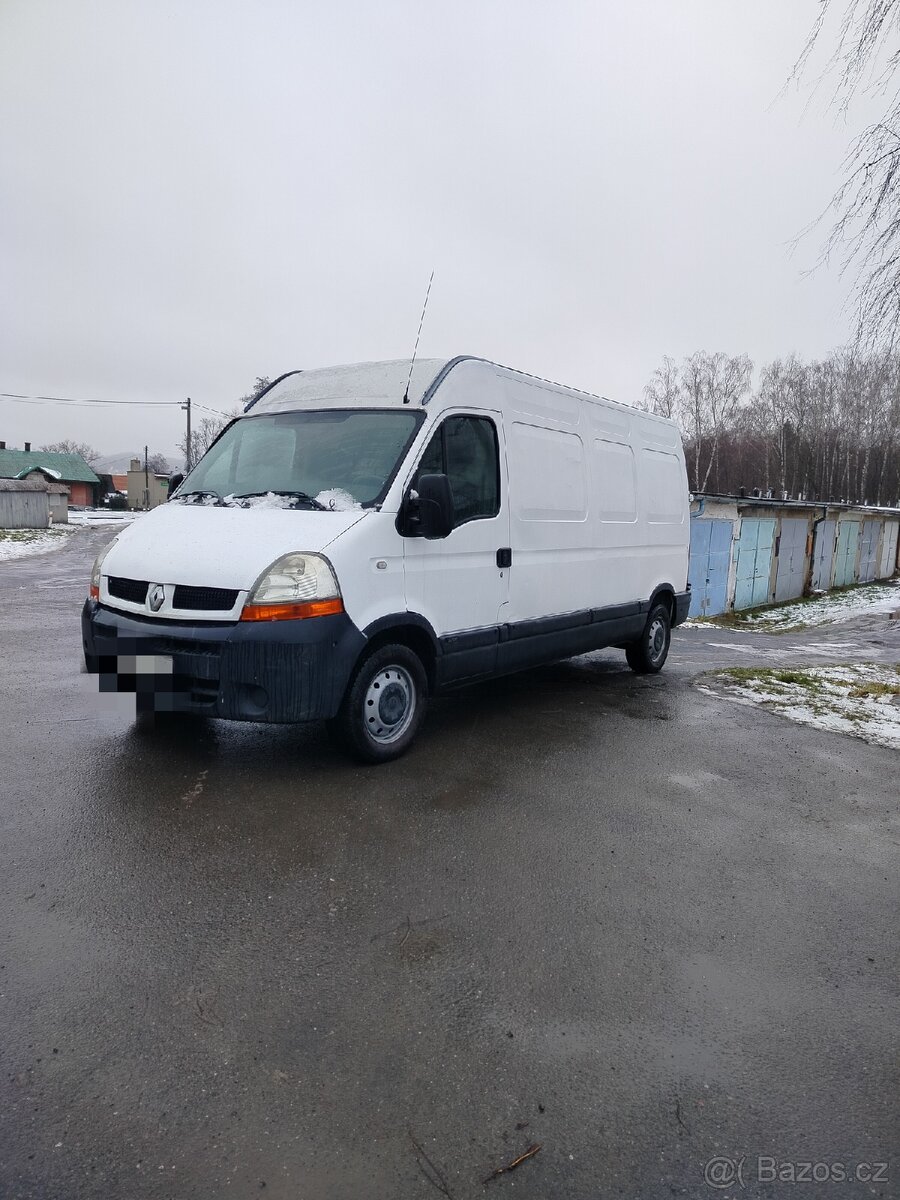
{"x":753,"y":562}
{"x":845,"y":553}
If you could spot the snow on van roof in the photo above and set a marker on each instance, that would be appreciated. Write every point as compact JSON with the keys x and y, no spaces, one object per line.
{"x":384,"y":384}
{"x":373,"y":382}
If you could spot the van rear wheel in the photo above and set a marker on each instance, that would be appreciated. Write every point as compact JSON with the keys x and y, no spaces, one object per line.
{"x":647,"y":655}
{"x":384,"y":705}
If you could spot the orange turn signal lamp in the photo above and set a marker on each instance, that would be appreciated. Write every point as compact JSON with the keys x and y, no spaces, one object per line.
{"x":292,"y":611}
{"x":94,"y":592}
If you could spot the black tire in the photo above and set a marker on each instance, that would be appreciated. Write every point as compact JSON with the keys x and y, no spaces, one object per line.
{"x":647,"y":655}
{"x":384,"y":705}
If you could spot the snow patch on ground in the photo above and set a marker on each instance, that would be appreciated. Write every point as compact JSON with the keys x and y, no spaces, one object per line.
{"x":22,"y":543}
{"x":862,"y":699}
{"x":102,"y":517}
{"x":827,"y":609}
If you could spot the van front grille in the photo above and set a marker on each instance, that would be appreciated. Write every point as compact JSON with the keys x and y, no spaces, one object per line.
{"x":209,"y":599}
{"x":200,"y":599}
{"x":133,"y":590}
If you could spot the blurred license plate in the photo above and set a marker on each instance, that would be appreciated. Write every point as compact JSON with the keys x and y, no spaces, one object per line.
{"x":145,"y":664}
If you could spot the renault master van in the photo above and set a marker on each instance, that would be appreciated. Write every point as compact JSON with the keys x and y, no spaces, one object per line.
{"x":353,"y":543}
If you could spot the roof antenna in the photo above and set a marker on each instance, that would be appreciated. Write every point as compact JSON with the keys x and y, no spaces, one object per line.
{"x":418,"y":335}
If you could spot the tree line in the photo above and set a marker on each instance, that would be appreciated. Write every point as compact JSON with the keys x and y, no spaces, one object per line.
{"x":820,"y":430}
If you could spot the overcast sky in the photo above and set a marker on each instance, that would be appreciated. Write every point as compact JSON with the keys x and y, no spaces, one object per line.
{"x":194,"y":194}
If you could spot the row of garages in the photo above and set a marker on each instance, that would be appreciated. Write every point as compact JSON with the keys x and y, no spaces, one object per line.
{"x":747,"y":552}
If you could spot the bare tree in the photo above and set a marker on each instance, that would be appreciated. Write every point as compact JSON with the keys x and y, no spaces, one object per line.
{"x":67,"y":446}
{"x":829,"y":430}
{"x":703,"y":396}
{"x":205,"y":431}
{"x":262,"y":382}
{"x":662,"y":394}
{"x":782,"y":408}
{"x":158,"y":464}
{"x":865,"y":209}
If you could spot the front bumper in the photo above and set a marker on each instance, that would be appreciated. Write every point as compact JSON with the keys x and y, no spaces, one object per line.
{"x":277,"y":671}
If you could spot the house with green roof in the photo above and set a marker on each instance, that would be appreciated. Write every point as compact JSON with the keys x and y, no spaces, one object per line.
{"x":68,"y":469}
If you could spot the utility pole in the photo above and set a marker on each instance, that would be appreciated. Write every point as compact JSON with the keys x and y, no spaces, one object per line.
{"x":188,"y":457}
{"x":146,"y":482}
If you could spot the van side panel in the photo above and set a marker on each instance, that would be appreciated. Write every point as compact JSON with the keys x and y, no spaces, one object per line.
{"x":598,"y":504}
{"x":552,"y":569}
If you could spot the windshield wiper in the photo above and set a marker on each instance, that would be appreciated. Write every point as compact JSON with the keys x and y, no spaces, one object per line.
{"x":303,"y":497}
{"x":201,"y":492}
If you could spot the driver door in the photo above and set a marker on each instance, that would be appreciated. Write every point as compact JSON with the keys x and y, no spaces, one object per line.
{"x":460,"y":583}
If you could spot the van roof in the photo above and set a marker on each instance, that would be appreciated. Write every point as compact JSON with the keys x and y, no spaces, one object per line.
{"x":377,"y":383}
{"x":384,"y":384}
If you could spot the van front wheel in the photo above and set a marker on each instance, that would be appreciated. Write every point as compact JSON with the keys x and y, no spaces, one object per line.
{"x":384,"y":705}
{"x":649,"y":652}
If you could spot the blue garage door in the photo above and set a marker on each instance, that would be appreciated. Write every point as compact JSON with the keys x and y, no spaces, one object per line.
{"x":790,"y":574}
{"x":845,"y":553}
{"x":823,"y":555}
{"x":753,"y":562}
{"x":869,"y":537}
{"x":710,"y":561}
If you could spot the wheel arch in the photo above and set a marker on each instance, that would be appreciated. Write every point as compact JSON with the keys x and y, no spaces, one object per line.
{"x":664,"y":594}
{"x":407,"y":629}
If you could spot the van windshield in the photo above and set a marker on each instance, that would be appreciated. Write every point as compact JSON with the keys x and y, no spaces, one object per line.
{"x":332,"y":458}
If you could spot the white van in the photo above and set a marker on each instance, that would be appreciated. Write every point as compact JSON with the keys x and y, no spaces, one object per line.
{"x":349,"y":546}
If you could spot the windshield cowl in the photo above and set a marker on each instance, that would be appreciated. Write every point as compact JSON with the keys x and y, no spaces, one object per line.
{"x":273,"y":499}
{"x":332,"y":500}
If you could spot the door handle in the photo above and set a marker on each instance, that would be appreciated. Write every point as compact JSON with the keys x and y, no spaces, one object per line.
{"x":504,"y":557}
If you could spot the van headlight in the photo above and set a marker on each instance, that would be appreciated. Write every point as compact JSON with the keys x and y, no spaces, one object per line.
{"x":295,"y":585}
{"x":94,"y":590}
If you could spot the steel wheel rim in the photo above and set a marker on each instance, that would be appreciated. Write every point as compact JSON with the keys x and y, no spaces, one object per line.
{"x":656,"y":637}
{"x":389,"y":704}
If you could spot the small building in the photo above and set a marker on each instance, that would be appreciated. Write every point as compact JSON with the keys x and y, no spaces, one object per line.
{"x":145,"y":490}
{"x":57,"y":493}
{"x":753,"y":550}
{"x":58,"y":497}
{"x":24,"y":504}
{"x":68,"y":469}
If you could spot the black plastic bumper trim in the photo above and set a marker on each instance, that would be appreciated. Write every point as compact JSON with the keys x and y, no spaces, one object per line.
{"x":276,"y":671}
{"x":682,"y":606}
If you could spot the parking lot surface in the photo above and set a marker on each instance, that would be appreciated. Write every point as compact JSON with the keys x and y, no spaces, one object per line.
{"x":614,"y":917}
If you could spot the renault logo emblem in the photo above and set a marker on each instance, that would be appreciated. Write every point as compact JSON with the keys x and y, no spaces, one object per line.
{"x":156,"y":597}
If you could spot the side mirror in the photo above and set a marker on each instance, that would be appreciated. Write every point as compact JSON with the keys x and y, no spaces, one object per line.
{"x":176,"y":479}
{"x":435,"y":506}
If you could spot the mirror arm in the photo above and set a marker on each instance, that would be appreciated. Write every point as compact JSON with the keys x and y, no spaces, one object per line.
{"x":412,"y":517}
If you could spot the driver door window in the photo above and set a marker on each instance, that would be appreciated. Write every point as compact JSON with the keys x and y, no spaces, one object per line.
{"x":465,"y":449}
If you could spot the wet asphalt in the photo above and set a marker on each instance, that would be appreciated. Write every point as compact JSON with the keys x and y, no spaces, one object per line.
{"x":618,"y":918}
